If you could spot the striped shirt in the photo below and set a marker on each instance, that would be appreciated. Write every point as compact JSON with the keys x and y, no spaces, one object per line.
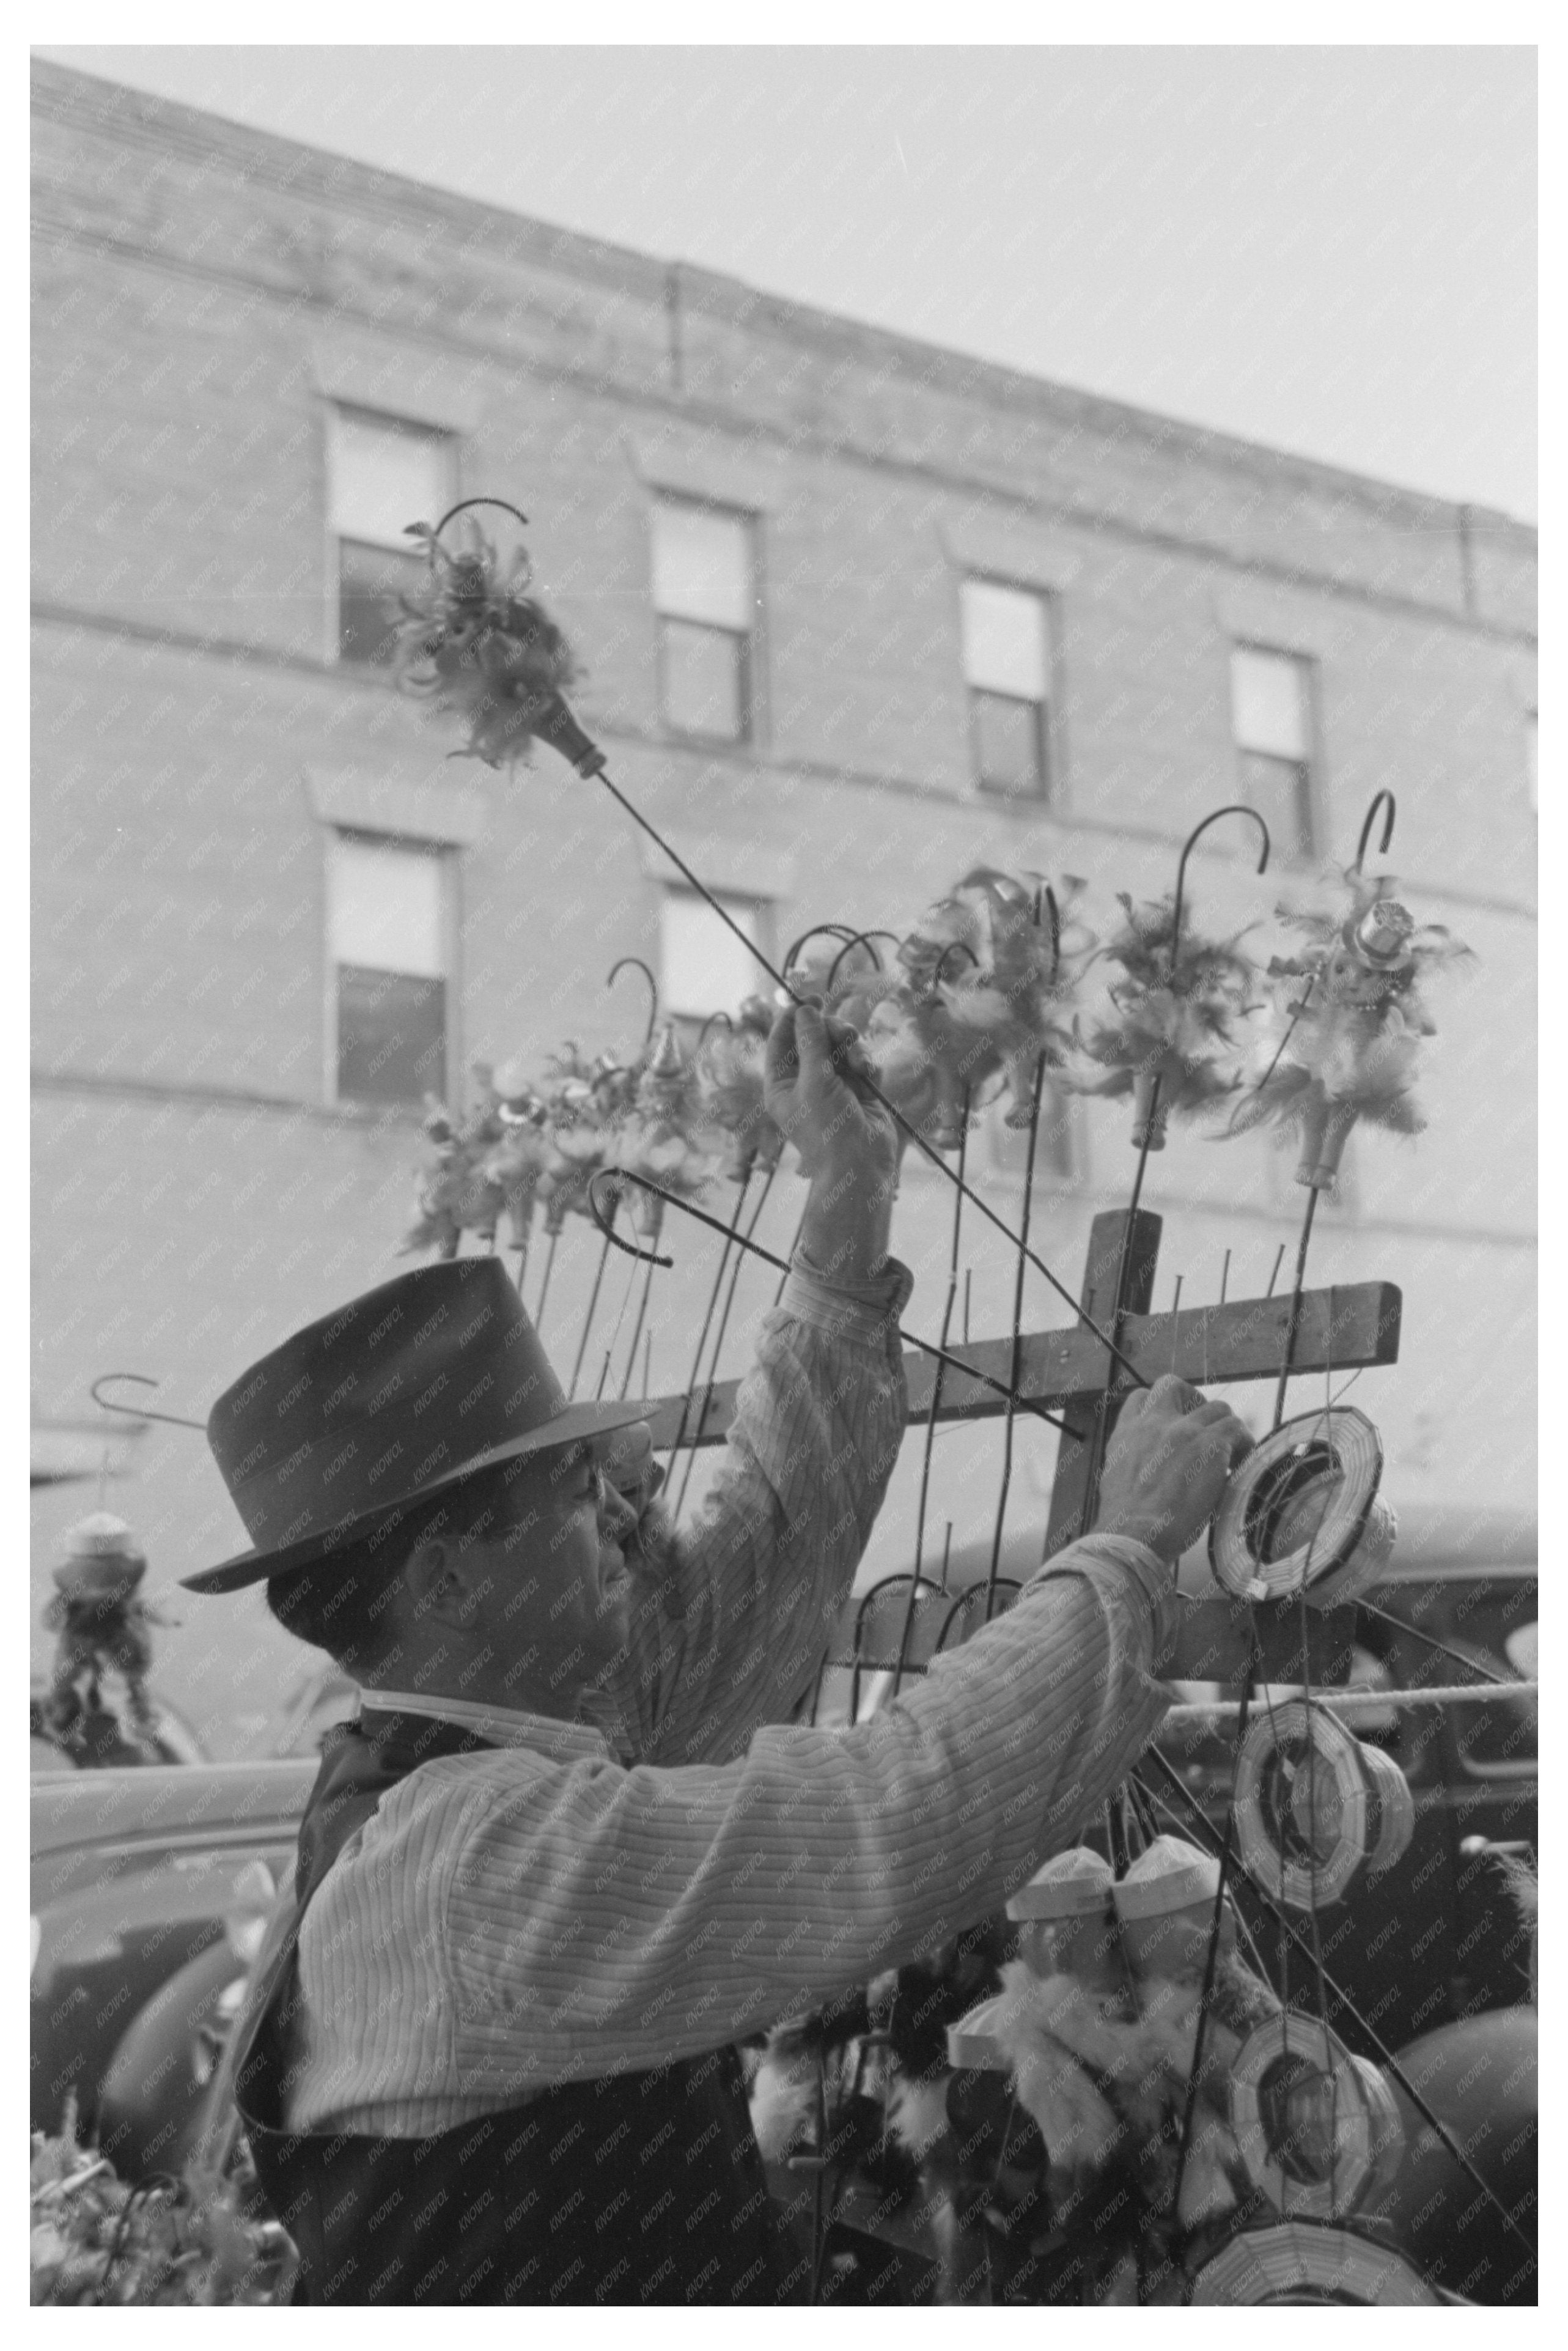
{"x":684,"y":1865}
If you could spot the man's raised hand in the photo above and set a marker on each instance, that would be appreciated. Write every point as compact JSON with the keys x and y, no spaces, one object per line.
{"x":848,"y":1144}
{"x":814,"y":1089}
{"x":1167,"y":1465}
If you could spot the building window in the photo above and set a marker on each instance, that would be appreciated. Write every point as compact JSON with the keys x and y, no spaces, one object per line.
{"x":387,"y":958}
{"x":381,"y":474}
{"x":1006,"y":637}
{"x":705,"y":967}
{"x":1272,"y":719}
{"x":1055,"y":1144}
{"x":1532,"y":770}
{"x":706,"y":600}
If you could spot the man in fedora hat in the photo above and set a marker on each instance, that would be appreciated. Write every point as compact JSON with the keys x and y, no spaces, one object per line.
{"x":576,"y":1846}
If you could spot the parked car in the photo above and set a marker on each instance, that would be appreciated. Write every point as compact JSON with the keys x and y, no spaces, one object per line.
{"x":150,"y":1889}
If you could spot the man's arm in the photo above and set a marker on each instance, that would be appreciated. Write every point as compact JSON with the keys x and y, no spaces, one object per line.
{"x":735,"y":1634}
{"x":595,"y":1918}
{"x":532,"y":1921}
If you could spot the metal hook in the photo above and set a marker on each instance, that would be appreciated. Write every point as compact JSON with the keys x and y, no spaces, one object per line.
{"x":638,"y":964}
{"x":858,"y":939}
{"x":818,"y":930}
{"x":463,"y":505}
{"x":620,"y":1177}
{"x":1233,"y":808}
{"x":1384,"y":799}
{"x":707,"y":1024}
{"x":139,"y":1411}
{"x":964,"y":948}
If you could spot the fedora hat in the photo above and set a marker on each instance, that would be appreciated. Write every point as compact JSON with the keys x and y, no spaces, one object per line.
{"x":396,"y":1397}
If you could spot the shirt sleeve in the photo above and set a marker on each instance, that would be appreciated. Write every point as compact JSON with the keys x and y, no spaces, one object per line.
{"x":591,"y":1918}
{"x":735,"y":1634}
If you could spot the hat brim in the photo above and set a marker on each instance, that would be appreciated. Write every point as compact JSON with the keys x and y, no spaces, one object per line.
{"x":568,"y":1427}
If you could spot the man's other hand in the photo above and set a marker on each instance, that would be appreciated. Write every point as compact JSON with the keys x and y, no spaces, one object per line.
{"x":815,"y":1090}
{"x":1166,"y":1465}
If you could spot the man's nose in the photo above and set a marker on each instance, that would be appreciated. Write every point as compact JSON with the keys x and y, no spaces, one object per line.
{"x":617,"y":1516}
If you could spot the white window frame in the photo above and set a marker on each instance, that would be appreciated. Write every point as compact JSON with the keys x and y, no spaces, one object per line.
{"x":736,"y":903}
{"x":750,"y":639}
{"x":449,"y":883}
{"x":1306,"y":665}
{"x":1048,"y":794}
{"x":419,"y":428}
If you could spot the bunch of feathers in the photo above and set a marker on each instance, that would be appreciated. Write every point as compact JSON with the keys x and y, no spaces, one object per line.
{"x":1104,"y":2076}
{"x":985,"y":984}
{"x":482,"y":1164}
{"x":1177,"y":1017}
{"x":471,"y":641}
{"x":866,"y":2077}
{"x":1347,"y":1027}
{"x":654,"y":1134}
{"x":523,"y":1144}
{"x":96,"y":2239}
{"x":1072,"y":2155}
{"x":730,"y":1062}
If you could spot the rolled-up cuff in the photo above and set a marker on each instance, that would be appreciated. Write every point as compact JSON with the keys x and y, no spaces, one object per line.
{"x":1155,"y":1582}
{"x":866,"y":1310}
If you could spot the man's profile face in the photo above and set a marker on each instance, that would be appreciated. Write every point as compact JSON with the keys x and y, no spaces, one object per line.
{"x":560,"y":1560}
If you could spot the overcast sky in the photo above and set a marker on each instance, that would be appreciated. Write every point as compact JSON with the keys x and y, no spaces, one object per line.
{"x":1331,"y":250}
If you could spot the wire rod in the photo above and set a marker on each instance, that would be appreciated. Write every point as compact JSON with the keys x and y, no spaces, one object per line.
{"x":740,"y":1241}
{"x":1296,"y":1288}
{"x":935,"y":1402}
{"x":746,"y":1176}
{"x":1015,"y":1366}
{"x":624,"y":1176}
{"x":1456,"y":1656}
{"x":927,"y":1150}
{"x":588,"y":1319}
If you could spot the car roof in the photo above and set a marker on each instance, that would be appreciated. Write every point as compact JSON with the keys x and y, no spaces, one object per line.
{"x":178,"y":1800}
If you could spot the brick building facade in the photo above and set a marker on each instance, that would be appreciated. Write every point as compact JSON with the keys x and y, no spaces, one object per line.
{"x":855,"y":614}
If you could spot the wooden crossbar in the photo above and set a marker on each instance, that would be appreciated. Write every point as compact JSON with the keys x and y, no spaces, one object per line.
{"x":1342,"y":1328}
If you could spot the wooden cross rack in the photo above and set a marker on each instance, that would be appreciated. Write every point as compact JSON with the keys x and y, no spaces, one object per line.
{"x":1341,"y":1329}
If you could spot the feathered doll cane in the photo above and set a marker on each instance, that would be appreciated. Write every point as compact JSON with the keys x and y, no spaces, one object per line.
{"x":103,"y":1625}
{"x":455,"y":1193}
{"x":1013,"y":992}
{"x":1349,"y":1037}
{"x":730,"y":1063}
{"x":1173,"y":1046}
{"x":471,"y":642}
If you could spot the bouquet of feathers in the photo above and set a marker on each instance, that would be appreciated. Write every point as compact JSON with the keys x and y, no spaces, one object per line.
{"x":729,"y":1063}
{"x":1173,"y":1046}
{"x":96,"y":2240}
{"x":472,"y":642}
{"x":654,"y":1135}
{"x":1062,"y":2147}
{"x":460,"y":1189}
{"x":1349,"y":1018}
{"x":103,"y":1626}
{"x":986,"y":981}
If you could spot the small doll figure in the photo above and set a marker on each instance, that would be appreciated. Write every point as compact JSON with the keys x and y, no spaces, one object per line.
{"x":102,"y":1627}
{"x":1350,"y":1033}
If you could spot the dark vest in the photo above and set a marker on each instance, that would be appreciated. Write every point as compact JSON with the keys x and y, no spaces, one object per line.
{"x":637,"y":2188}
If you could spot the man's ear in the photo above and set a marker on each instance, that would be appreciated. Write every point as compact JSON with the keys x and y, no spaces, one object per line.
{"x":437,"y":1587}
